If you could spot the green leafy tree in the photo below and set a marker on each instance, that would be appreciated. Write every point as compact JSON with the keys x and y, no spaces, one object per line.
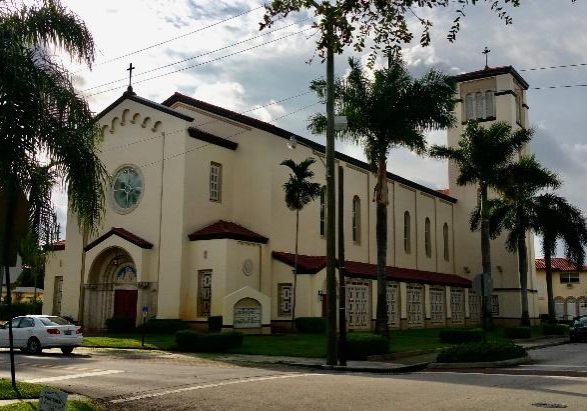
{"x":391,"y":110}
{"x":43,"y":122}
{"x":299,"y":192}
{"x":559,"y":220}
{"x":519,"y":211}
{"x":481,"y":156}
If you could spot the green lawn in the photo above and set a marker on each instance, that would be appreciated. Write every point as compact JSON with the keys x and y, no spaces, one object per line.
{"x":32,"y":392}
{"x":159,"y":341}
{"x":70,"y":406}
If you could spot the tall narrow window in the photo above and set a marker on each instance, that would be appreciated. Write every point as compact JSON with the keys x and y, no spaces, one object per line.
{"x":284,"y":292}
{"x":445,"y":242}
{"x":215,"y":181}
{"x":204,"y":292}
{"x":323,"y":211}
{"x":356,"y":219}
{"x":427,"y":238}
{"x":479,"y":105}
{"x":519,"y":109}
{"x":407,"y":233}
{"x":57,"y":295}
{"x":469,"y":107}
{"x":489,"y":104}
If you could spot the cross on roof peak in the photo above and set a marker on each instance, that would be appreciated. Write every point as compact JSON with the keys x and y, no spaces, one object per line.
{"x":486,"y":51}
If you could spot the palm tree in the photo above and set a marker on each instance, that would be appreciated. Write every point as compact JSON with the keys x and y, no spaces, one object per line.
{"x":520,"y":210}
{"x":482,"y":153}
{"x":43,"y":122}
{"x":558,"y":219}
{"x":299,"y":191}
{"x":390,"y":110}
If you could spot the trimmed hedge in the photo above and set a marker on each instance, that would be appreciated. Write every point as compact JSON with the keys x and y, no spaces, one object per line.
{"x":479,"y":352}
{"x":555,"y":329}
{"x":215,"y":323}
{"x":311,"y":325}
{"x":362,"y":345}
{"x":461,"y":335}
{"x":34,"y":307}
{"x":163,"y":326}
{"x":517,"y":332}
{"x":120,"y":324}
{"x":192,"y":341}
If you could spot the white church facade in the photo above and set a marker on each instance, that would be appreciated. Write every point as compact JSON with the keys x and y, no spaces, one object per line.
{"x":196,"y":225}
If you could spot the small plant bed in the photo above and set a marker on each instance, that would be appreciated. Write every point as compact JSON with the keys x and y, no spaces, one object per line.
{"x":73,"y":405}
{"x":555,"y":329}
{"x":192,"y":341}
{"x":481,"y":352}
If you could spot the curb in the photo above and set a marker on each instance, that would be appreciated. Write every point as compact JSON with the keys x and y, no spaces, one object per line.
{"x":552,"y":344}
{"x":343,"y":368}
{"x":488,"y":364}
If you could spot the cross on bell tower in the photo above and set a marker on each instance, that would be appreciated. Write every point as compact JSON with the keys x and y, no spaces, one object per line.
{"x":130,"y":69}
{"x":486,"y":52}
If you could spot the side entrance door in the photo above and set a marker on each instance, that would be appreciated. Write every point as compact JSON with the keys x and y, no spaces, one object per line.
{"x":125,"y":303}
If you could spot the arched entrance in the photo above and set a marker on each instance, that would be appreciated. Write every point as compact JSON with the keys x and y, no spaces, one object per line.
{"x":111,"y":290}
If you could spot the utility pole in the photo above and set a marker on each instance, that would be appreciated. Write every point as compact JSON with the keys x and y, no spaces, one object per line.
{"x":341,"y":272}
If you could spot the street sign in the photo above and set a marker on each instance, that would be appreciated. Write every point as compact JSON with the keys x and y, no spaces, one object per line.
{"x":52,"y":400}
{"x":478,"y":286}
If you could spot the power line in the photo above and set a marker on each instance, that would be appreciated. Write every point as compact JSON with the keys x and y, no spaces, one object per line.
{"x":554,"y":67}
{"x":206,"y":62}
{"x":142,"y":73}
{"x":558,"y":86}
{"x":179,"y":37}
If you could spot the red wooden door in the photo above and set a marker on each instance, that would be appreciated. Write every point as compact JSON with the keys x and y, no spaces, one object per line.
{"x":125,"y":303}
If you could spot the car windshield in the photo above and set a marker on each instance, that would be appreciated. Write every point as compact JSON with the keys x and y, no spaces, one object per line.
{"x":582,"y":322}
{"x":47,"y":321}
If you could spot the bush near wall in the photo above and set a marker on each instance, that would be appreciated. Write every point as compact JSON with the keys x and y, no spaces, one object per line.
{"x":34,"y":307}
{"x":460,"y":335}
{"x":555,"y":329}
{"x":517,"y":332}
{"x":481,"y":352}
{"x":215,"y":323}
{"x":192,"y":341}
{"x":156,"y":326}
{"x":362,"y":345}
{"x":310,"y":325}
{"x":120,"y":324}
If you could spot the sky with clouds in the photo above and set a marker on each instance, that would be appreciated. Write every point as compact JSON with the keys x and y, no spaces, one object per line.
{"x":178,"y":44}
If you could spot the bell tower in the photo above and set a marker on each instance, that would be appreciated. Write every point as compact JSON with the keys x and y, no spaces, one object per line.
{"x":489,"y":95}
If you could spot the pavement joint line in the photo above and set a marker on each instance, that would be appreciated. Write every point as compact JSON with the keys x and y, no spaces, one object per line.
{"x":212,"y":385}
{"x":72,"y":376}
{"x":557,"y":377}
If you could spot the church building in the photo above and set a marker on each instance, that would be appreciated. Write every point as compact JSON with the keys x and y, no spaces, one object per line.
{"x":196,"y":225}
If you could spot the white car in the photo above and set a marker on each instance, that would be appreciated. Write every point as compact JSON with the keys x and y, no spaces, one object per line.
{"x":32,"y":333}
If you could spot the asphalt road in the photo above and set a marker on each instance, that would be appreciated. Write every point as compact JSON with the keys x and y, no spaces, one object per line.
{"x":137,"y":380}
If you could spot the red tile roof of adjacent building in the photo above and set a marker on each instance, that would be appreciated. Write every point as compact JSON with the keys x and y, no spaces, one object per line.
{"x":56,"y":246}
{"x":308,"y":264}
{"x":227,"y":229}
{"x":444,"y":191}
{"x":124,"y":234}
{"x":558,"y":264}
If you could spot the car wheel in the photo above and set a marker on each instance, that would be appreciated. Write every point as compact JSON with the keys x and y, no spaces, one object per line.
{"x":33,"y":346}
{"x":66,"y":350}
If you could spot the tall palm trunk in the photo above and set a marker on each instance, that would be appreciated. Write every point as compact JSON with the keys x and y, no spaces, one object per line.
{"x":549,"y":290}
{"x":485,"y":256}
{"x":381,"y":326}
{"x":523,"y":268}
{"x":295,"y":279}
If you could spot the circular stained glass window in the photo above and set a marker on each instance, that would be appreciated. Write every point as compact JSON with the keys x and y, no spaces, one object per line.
{"x":127,"y":188}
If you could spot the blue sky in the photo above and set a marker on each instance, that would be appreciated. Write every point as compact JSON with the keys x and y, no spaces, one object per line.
{"x":543,"y":34}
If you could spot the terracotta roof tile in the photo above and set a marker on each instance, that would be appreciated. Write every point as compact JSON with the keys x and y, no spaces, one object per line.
{"x":124,"y":234}
{"x":56,"y":246}
{"x":308,"y":264}
{"x":558,"y":264}
{"x":226,"y":229}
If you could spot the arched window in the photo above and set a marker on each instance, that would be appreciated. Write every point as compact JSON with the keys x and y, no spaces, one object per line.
{"x":427,"y":238}
{"x":356,"y":219}
{"x":489,"y":104}
{"x":479,"y":105}
{"x":323,"y":204}
{"x":445,"y":242}
{"x":469,"y":107}
{"x":407,"y":233}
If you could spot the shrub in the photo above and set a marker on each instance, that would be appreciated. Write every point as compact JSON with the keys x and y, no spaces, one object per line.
{"x":555,"y":329}
{"x":517,"y":332}
{"x":461,"y":335}
{"x":120,"y":324}
{"x":33,"y":307}
{"x":192,"y":341}
{"x":479,"y":352}
{"x":362,"y":345}
{"x":161,"y":326}
{"x":311,"y":325}
{"x":215,"y":323}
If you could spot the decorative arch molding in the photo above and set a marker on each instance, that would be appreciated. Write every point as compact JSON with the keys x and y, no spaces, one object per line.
{"x":128,"y":117}
{"x":245,"y":294}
